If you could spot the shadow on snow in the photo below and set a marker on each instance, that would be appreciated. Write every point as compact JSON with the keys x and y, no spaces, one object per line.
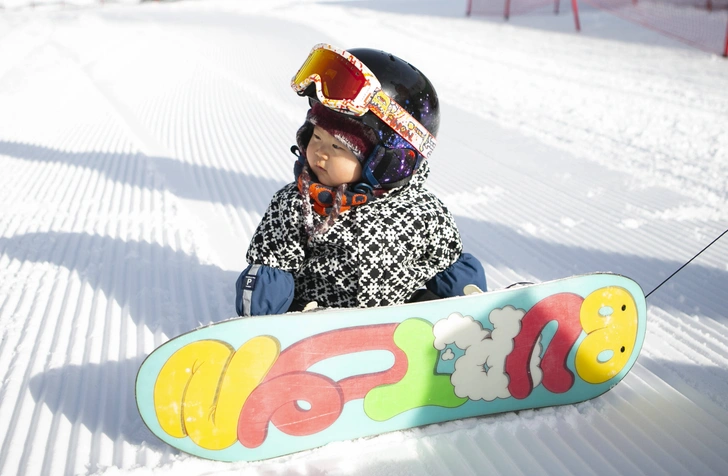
{"x":165,"y":290}
{"x":696,"y":289}
{"x":98,"y":396}
{"x":189,"y":181}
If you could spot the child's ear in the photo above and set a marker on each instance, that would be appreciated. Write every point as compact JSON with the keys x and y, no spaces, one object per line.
{"x":303,"y":136}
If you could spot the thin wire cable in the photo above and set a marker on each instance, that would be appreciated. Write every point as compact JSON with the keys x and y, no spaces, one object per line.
{"x":681,"y":267}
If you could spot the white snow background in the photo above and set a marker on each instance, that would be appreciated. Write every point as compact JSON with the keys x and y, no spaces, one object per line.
{"x":140,"y":144}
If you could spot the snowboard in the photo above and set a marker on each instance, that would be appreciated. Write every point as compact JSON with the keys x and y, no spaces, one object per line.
{"x":255,"y":388}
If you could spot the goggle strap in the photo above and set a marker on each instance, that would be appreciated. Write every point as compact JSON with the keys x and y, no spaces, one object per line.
{"x":402,"y":122}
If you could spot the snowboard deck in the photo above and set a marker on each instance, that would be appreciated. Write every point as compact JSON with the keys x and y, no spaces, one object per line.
{"x":248,"y":389}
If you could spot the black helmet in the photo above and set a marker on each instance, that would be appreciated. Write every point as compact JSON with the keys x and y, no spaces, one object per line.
{"x":405,"y":84}
{"x":394,"y":160}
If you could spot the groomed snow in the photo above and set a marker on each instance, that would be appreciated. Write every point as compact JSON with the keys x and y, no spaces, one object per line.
{"x":140,"y":144}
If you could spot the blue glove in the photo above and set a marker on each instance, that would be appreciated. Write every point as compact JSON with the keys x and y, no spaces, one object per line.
{"x":450,"y":282}
{"x":262,"y":290}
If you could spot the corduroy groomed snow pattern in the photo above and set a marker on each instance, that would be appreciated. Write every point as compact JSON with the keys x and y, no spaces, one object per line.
{"x":377,"y":254}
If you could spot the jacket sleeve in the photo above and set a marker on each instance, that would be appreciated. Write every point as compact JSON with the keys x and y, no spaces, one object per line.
{"x":280,"y":238}
{"x":455,"y":269}
{"x":276,"y":251}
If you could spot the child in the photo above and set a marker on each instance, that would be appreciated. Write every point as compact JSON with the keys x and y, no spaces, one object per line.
{"x":357,"y":228}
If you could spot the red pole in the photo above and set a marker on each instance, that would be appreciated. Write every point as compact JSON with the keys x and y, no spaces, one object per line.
{"x":575,"y":9}
{"x":507,"y":10}
{"x":725,"y":50}
{"x":469,"y":8}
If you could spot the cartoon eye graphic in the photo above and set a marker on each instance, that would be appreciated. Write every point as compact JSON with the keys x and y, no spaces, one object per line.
{"x":601,"y":354}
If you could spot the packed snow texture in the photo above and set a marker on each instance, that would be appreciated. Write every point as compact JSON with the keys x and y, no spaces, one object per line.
{"x":140,"y":145}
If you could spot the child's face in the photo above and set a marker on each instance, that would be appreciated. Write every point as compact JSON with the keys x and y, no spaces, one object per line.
{"x":332,"y":162}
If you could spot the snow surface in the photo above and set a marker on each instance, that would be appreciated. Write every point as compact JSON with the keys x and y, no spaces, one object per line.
{"x":140,"y":144}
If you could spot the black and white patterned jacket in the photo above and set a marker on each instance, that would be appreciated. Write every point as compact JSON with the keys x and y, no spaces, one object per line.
{"x":375,"y":254}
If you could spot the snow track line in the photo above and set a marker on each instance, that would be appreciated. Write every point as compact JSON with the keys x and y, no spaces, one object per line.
{"x":709,"y":351}
{"x":42,"y":399}
{"x":53,"y":438}
{"x":582,"y":457}
{"x":448,"y":455}
{"x":704,"y":457}
{"x":496,"y":454}
{"x":527,"y":463}
{"x":25,"y":379}
{"x":691,"y":421}
{"x":541,"y":452}
{"x":42,"y":394}
{"x":631,"y":442}
{"x":590,"y":432}
{"x":711,"y":327}
{"x":667,"y":373}
{"x":659,"y":375}
{"x":440,"y":466}
{"x":629,"y":420}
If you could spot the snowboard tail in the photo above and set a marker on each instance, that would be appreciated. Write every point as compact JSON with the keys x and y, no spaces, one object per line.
{"x":256,"y":388}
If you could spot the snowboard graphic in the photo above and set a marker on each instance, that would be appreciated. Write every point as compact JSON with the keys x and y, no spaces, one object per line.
{"x":256,"y":388}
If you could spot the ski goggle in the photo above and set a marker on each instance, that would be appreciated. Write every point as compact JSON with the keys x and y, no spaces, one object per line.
{"x":388,"y":168}
{"x":345,"y":84}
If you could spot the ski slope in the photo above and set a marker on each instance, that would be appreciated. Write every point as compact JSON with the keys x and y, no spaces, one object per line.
{"x":140,"y":145}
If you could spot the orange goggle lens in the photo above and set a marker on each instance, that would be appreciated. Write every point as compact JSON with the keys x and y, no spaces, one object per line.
{"x":340,"y":79}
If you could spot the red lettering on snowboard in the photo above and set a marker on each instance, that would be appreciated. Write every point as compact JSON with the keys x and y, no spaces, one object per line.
{"x":275,"y":399}
{"x":564,"y":308}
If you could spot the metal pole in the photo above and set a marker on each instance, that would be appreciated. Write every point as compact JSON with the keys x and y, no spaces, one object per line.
{"x":469,"y":8}
{"x":507,"y":10}
{"x":575,"y":9}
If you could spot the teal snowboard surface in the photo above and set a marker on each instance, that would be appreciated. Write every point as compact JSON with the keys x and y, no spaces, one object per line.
{"x":257,"y":388}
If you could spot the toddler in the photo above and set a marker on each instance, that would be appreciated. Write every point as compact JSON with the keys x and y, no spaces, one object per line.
{"x":357,"y":228}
